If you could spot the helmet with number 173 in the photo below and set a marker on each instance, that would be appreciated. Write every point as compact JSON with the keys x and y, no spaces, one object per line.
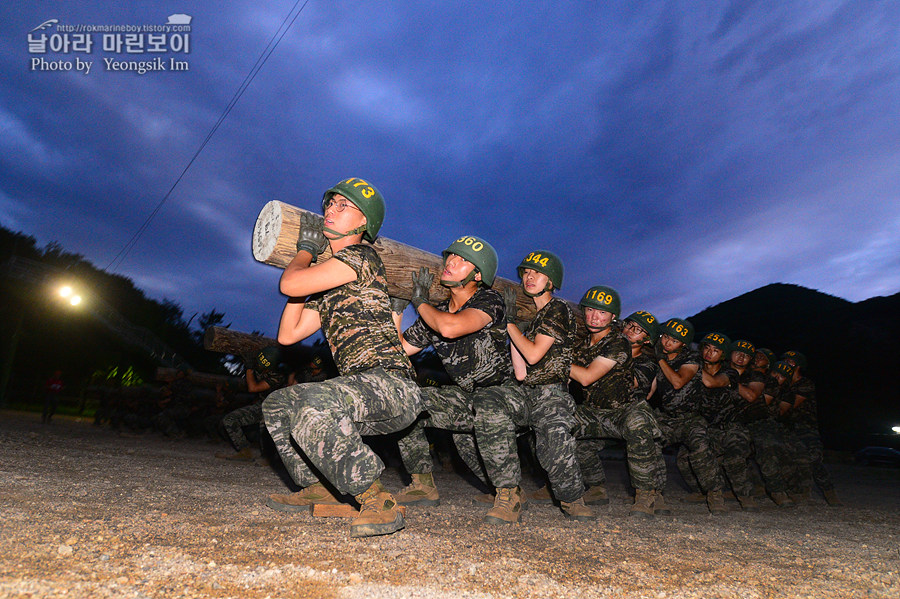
{"x":365,"y":197}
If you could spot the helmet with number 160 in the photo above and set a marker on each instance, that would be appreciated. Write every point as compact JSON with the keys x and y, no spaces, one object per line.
{"x":479,"y":252}
{"x":365,"y":197}
{"x":543,"y":262}
{"x":679,"y":330}
{"x":601,"y":297}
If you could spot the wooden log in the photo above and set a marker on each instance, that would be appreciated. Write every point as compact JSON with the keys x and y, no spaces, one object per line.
{"x":275,"y":243}
{"x":202,"y":379}
{"x":342,"y":510}
{"x":226,"y":341}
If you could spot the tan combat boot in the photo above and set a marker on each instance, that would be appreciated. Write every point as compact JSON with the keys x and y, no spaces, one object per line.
{"x":302,"y":499}
{"x":507,"y":507}
{"x":694,"y":498}
{"x":422,"y":491}
{"x":800,"y":497}
{"x":715,"y":501}
{"x":748,"y":504}
{"x":659,"y":505}
{"x":542,"y":495}
{"x":576,"y":510}
{"x":378,"y":513}
{"x":484,"y":498}
{"x":643,"y":504}
{"x":596,"y":495}
{"x":782,"y":500}
{"x":245,"y":455}
{"x":831,"y":498}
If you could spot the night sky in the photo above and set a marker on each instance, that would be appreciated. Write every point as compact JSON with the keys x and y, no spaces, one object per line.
{"x":681,"y":152}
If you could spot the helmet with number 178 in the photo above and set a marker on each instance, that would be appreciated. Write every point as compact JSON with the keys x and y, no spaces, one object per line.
{"x":601,"y":297}
{"x":479,"y":252}
{"x":365,"y":197}
{"x":546,"y":263}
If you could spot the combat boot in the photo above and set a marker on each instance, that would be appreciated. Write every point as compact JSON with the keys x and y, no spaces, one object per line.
{"x":422,"y":491}
{"x":659,"y":505}
{"x":378,"y":513}
{"x":800,"y":497}
{"x":302,"y":499}
{"x":643,"y":504}
{"x":748,"y":504}
{"x":782,"y":500}
{"x":507,"y":507}
{"x":542,"y":495}
{"x":715,"y":501}
{"x":484,"y":498}
{"x":831,"y":498}
{"x":244,"y":455}
{"x":596,"y":495}
{"x":694,"y":498}
{"x":576,"y":510}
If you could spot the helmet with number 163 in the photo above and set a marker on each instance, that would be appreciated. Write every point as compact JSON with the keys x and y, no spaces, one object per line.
{"x":365,"y":197}
{"x":546,"y":263}
{"x":678,"y":329}
{"x":479,"y":252}
{"x":601,"y":297}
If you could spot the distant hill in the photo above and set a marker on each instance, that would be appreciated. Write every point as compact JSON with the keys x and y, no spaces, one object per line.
{"x":852,"y":350}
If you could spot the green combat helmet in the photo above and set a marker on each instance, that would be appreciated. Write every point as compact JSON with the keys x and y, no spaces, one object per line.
{"x":480,"y":253}
{"x":796,"y":357}
{"x":679,"y":329}
{"x":365,"y":197}
{"x":604,"y":298}
{"x":646,"y":321}
{"x":785,"y":369}
{"x":769,"y":354}
{"x":268,"y":358}
{"x":717,"y":340}
{"x":546,"y":263}
{"x":744,"y":346}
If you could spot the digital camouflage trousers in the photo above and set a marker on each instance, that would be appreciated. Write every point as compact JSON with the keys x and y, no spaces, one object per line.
{"x":636,"y":425}
{"x":327,"y":419}
{"x":690,"y":430}
{"x":234,"y":422}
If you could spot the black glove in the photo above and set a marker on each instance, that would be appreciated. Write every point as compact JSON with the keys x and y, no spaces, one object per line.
{"x":311,"y":238}
{"x":422,"y":281}
{"x":398,"y":304}
{"x":509,"y":298}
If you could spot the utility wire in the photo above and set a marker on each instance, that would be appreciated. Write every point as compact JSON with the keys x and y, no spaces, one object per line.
{"x":260,"y":62}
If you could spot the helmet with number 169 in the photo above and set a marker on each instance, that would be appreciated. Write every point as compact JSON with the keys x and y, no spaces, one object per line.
{"x":601,"y":297}
{"x":365,"y":197}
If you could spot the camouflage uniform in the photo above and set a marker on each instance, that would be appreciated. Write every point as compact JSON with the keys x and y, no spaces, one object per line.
{"x":769,"y":437}
{"x":805,"y":426}
{"x":234,"y":422}
{"x":729,"y":439}
{"x":681,"y":424}
{"x":550,"y":407}
{"x":375,"y":393}
{"x":481,"y":369}
{"x":613,"y":409}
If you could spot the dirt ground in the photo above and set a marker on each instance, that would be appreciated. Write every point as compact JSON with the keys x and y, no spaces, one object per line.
{"x":85,"y":512}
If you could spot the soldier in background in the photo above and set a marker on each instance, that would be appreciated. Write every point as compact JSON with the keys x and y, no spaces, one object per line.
{"x":263,"y":376}
{"x":52,"y":388}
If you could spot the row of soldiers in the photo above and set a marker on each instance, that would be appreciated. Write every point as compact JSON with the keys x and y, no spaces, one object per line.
{"x":506,"y":378}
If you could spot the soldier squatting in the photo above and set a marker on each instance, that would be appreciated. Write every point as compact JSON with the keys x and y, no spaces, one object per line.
{"x":727,"y":407}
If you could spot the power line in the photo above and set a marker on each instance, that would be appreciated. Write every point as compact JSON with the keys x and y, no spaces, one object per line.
{"x":257,"y":66}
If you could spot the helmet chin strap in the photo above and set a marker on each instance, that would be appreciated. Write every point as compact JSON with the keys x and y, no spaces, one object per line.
{"x":359,"y":229}
{"x":596,"y":329}
{"x":547,"y":287}
{"x":469,"y":278}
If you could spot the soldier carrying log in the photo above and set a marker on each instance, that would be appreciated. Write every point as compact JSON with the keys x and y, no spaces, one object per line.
{"x":375,"y":393}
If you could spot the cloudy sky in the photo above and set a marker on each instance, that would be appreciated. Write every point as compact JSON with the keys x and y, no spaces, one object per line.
{"x":681,"y":152}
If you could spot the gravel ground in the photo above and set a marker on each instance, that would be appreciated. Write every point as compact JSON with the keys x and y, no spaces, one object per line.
{"x":85,"y":512}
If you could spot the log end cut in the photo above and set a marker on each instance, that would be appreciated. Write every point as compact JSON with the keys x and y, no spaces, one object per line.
{"x":267,"y":230}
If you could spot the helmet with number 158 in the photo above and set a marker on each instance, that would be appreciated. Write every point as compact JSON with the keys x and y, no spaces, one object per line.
{"x":365,"y":197}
